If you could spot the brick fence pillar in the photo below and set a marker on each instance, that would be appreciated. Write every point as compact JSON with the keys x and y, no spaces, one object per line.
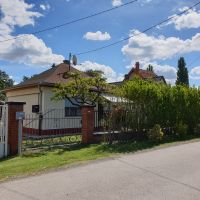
{"x":88,"y":119}
{"x":13,"y":107}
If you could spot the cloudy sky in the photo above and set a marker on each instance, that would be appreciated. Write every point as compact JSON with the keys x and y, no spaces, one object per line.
{"x":30,"y":54}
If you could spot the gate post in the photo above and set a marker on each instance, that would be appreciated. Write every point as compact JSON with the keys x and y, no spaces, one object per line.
{"x":88,"y":120}
{"x":13,"y":107}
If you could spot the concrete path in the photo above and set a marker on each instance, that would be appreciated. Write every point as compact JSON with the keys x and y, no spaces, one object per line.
{"x":172,"y":173}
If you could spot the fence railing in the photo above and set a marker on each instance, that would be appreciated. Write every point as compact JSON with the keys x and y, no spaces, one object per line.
{"x":122,"y":126}
{"x":51,"y":128}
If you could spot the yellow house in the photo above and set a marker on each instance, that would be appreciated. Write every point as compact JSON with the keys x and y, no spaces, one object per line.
{"x":37,"y":92}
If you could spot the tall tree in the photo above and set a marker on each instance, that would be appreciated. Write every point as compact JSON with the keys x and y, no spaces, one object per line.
{"x":182,"y":73}
{"x":5,"y":82}
{"x":150,"y":68}
{"x":94,"y":73}
{"x":25,"y":78}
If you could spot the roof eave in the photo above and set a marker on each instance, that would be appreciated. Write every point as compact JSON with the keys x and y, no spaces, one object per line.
{"x":27,"y":86}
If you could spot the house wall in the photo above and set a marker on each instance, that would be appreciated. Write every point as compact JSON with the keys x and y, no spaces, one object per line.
{"x":29,"y":96}
{"x":54,"y":113}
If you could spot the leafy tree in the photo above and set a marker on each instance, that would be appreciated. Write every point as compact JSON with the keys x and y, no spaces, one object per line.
{"x":25,"y":78}
{"x":182,"y":73}
{"x":5,"y":82}
{"x":94,"y":73}
{"x":82,"y":90}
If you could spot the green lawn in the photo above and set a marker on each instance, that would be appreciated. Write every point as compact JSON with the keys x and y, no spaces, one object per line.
{"x":32,"y":163}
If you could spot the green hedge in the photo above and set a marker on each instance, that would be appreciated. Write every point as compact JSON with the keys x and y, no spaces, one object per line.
{"x":152,"y":103}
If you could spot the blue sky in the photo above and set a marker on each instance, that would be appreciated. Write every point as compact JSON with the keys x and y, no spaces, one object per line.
{"x":161,"y":47}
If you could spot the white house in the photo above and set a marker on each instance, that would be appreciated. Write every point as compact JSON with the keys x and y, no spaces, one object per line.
{"x":48,"y":116}
{"x":37,"y":93}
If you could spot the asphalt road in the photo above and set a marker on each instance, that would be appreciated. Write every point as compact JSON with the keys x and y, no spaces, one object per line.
{"x":171,"y":173}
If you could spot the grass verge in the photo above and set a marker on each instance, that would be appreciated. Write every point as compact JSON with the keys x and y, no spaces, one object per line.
{"x":36,"y":162}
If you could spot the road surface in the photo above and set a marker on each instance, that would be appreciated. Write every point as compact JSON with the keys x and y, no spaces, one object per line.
{"x":171,"y":173}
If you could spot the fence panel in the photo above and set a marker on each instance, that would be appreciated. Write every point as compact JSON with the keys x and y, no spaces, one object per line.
{"x":52,"y":128}
{"x":122,"y":125}
{"x":118,"y":126}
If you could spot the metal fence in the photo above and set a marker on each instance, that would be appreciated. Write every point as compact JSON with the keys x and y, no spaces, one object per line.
{"x":122,"y":126}
{"x":51,"y":128}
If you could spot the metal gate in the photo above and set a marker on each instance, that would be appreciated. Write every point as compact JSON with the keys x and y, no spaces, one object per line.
{"x":51,"y":128}
{"x":3,"y":130}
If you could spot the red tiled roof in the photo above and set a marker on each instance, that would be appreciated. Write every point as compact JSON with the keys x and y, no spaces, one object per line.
{"x":146,"y":74}
{"x":140,"y":72}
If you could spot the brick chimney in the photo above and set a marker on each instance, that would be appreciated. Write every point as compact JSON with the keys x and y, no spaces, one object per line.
{"x":137,"y":66}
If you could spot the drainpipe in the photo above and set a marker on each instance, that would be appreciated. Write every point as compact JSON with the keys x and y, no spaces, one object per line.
{"x":40,"y":98}
{"x":40,"y":108}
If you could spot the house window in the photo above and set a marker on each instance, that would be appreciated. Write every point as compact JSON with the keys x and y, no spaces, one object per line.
{"x":71,"y":110}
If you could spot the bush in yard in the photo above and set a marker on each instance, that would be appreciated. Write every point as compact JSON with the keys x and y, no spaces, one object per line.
{"x":181,"y":129}
{"x":155,"y":134}
{"x":197,"y":129}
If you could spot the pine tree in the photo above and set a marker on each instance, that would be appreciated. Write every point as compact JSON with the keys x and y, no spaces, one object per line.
{"x":182,"y":73}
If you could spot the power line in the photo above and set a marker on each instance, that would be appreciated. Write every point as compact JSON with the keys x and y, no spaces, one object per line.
{"x":73,"y":21}
{"x":144,"y":31}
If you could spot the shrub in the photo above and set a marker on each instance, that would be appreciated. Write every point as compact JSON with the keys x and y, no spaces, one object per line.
{"x":155,"y":134}
{"x":181,"y":129}
{"x":197,"y":129}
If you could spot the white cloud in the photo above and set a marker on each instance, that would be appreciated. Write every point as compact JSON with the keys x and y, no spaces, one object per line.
{"x":17,"y":12}
{"x":109,"y":73}
{"x":147,"y":48}
{"x":195,"y":73}
{"x":45,"y":6}
{"x":116,"y":2}
{"x":191,"y":19}
{"x":97,"y":36}
{"x":144,"y":2}
{"x":27,"y":49}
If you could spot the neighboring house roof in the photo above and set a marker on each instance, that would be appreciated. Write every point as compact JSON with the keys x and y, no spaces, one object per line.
{"x":49,"y":77}
{"x":144,"y":74}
